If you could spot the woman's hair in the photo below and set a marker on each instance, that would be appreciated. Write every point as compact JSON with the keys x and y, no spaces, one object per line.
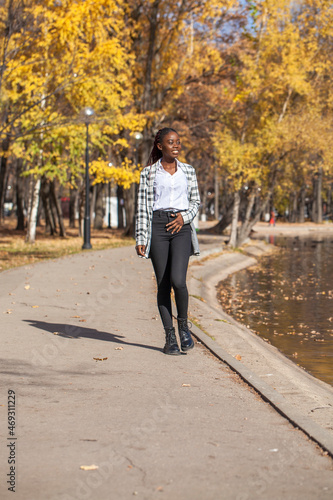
{"x":156,"y":153}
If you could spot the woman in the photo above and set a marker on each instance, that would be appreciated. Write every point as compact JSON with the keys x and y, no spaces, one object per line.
{"x":168,"y":201}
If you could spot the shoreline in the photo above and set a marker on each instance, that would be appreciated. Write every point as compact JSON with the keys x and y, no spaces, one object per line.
{"x":307,"y":401}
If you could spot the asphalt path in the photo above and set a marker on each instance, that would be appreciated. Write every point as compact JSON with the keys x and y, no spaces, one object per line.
{"x":101,"y":413}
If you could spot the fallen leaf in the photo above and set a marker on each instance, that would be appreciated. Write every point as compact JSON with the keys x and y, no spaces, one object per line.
{"x":55,"y":333}
{"x":9,"y":311}
{"x":27,"y":287}
{"x":118,"y":348}
{"x":100,"y":359}
{"x":238,"y":357}
{"x":186,"y":385}
{"x":75,"y":316}
{"x":34,"y":307}
{"x":89,"y":467}
{"x":82,"y":320}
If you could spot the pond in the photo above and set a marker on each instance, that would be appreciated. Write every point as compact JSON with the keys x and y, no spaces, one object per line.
{"x":288,"y":300}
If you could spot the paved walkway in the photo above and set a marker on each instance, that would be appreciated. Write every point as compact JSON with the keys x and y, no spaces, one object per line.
{"x":81,"y":347}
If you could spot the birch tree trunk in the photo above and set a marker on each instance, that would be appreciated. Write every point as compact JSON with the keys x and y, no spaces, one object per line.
{"x":32,"y":219}
{"x":234,"y":223}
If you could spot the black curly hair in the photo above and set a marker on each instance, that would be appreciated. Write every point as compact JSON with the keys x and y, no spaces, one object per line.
{"x":156,"y":153}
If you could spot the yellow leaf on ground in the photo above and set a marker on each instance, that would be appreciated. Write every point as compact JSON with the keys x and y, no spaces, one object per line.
{"x":89,"y":467}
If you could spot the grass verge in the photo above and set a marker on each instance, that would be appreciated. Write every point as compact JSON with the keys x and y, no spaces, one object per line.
{"x":14,"y":252}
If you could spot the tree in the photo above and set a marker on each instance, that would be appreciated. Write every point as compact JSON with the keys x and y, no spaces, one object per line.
{"x":68,"y":55}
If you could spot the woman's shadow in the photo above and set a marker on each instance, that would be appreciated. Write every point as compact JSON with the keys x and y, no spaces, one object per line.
{"x":77,"y":332}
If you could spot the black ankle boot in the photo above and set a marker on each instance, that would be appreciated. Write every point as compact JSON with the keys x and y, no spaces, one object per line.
{"x":186,"y":340}
{"x":171,"y":345}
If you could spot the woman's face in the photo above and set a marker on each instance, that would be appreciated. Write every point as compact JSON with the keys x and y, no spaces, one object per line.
{"x":170,"y":145}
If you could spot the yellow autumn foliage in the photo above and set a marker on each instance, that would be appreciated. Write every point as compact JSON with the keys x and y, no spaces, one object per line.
{"x":124,"y":175}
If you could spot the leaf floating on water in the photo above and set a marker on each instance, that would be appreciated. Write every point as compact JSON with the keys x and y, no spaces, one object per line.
{"x":89,"y":467}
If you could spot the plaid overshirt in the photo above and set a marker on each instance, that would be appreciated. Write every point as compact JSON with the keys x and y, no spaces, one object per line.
{"x":144,"y":214}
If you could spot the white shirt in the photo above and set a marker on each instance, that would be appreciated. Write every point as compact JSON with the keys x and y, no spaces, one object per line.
{"x":170,"y":191}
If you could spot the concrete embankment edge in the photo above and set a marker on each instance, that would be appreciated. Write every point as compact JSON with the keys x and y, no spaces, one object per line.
{"x":270,"y":395}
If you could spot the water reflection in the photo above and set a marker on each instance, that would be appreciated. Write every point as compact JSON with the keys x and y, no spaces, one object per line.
{"x":288,"y":299}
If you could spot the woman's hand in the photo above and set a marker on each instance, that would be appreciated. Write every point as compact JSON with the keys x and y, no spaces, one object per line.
{"x":140,"y":250}
{"x":176,"y":225}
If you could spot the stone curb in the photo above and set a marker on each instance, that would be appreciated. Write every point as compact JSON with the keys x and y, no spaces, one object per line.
{"x":270,"y":395}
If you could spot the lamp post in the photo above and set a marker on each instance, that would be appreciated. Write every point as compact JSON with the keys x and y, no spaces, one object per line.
{"x":138,"y":138}
{"x":88,"y":113}
{"x":109,"y":200}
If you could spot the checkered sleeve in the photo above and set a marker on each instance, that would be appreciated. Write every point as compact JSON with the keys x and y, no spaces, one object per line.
{"x":141,"y":219}
{"x":194,"y":197}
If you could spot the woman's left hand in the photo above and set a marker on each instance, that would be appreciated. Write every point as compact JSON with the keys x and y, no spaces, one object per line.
{"x":176,"y":225}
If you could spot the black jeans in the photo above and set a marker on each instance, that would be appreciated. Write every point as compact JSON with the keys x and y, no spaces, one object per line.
{"x":170,"y":254}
